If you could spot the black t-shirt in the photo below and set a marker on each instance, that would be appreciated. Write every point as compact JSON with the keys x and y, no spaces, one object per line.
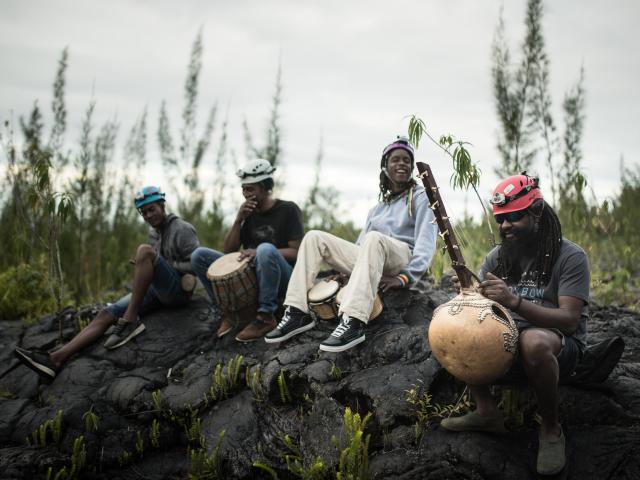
{"x":279,"y":225}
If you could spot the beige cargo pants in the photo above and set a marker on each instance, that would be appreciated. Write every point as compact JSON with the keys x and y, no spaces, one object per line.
{"x":366,"y":263}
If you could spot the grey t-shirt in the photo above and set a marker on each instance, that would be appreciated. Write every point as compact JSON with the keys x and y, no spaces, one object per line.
{"x":569,"y":277}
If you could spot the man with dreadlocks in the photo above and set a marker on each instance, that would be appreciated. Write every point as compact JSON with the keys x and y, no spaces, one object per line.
{"x":543,"y":279}
{"x":393,"y":250}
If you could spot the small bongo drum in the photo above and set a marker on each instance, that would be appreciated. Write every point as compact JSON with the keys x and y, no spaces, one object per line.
{"x":377,"y":304}
{"x":322,"y":299}
{"x":234,"y":282}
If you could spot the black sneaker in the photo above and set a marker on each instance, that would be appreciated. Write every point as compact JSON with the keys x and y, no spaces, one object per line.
{"x":294,"y":321}
{"x":348,"y":334}
{"x":123,"y":332}
{"x":39,"y":362}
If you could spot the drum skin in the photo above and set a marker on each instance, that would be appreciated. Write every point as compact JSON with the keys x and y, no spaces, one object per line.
{"x":474,"y":338}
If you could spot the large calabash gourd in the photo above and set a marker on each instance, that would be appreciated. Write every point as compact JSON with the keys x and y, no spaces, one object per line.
{"x":474,"y":338}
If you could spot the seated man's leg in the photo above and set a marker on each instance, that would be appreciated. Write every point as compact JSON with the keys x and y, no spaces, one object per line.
{"x":201,"y":260}
{"x":540,"y":351}
{"x":273,"y":273}
{"x":316,"y":247}
{"x":379,"y":254}
{"x":155,"y":283}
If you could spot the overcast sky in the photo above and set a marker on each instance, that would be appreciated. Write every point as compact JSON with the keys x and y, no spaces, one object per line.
{"x":352,"y":71}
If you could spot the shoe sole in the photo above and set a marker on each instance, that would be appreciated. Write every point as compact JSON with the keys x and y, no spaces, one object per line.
{"x":342,"y":348}
{"x":497,"y":430}
{"x":223,"y":333}
{"x":35,"y":366}
{"x":292,"y":333}
{"x":247,"y":340}
{"x":135,"y":333}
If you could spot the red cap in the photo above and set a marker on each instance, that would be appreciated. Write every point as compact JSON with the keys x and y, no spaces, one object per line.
{"x":515,"y":193}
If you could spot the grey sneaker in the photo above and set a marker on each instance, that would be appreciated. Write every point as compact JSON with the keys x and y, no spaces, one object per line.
{"x":475,"y":423}
{"x":40,"y":363}
{"x":551,"y":457}
{"x":124,"y":331}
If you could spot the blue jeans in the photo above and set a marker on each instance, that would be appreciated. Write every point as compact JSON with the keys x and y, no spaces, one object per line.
{"x":165,"y":290}
{"x":272,"y":270}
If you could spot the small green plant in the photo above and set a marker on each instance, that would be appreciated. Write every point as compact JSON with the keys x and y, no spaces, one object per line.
{"x":203,"y":466}
{"x":139,"y":444}
{"x":194,"y":430}
{"x":283,"y":389}
{"x":81,"y":323}
{"x":335,"y":371}
{"x":62,"y":474}
{"x":354,"y":453}
{"x":514,"y":403}
{"x":225,"y":379}
{"x":7,"y":394}
{"x":253,"y":380}
{"x":425,"y":411}
{"x":124,"y":458}
{"x":316,"y":471}
{"x":41,"y":435}
{"x":154,"y":433}
{"x":78,"y":457}
{"x":91,"y":420}
{"x":157,"y":400}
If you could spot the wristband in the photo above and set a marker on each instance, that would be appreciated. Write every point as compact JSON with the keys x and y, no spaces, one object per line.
{"x":404,"y":279}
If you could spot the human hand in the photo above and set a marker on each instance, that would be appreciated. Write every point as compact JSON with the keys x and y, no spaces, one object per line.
{"x":388,"y":282}
{"x":247,"y":208}
{"x":456,"y":283}
{"x":496,"y":289}
{"x":248,"y":253}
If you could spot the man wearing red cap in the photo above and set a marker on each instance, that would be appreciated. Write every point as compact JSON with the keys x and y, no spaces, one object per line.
{"x":543,"y":279}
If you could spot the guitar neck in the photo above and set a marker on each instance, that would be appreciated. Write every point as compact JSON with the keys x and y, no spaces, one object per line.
{"x":444,"y":225}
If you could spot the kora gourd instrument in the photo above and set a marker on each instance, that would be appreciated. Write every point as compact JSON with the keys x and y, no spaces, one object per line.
{"x":474,"y":338}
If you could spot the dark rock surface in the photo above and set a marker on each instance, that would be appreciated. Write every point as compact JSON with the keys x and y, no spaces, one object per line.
{"x":298,"y":391}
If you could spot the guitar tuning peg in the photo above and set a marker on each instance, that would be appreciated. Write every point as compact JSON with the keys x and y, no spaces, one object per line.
{"x":434,"y":205}
{"x":443,"y":234}
{"x":434,"y":221}
{"x":435,"y":189}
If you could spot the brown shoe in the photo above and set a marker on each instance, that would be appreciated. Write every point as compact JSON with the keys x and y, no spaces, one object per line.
{"x":263,"y":324}
{"x":226,"y":325}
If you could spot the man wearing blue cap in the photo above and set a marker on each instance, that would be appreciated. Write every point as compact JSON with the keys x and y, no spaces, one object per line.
{"x":162,"y":277}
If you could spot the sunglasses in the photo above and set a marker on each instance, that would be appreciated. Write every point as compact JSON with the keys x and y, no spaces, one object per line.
{"x":510,"y":217}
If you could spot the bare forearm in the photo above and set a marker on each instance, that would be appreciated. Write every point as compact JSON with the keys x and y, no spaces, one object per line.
{"x":232,"y":238}
{"x":290,"y":254}
{"x":562,"y":318}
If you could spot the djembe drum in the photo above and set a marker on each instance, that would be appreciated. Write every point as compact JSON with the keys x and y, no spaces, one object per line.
{"x":322,"y":299}
{"x":377,"y":303}
{"x":234,"y":282}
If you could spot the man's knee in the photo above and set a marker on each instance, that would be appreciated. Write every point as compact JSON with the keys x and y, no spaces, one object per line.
{"x":265,"y":251}
{"x":145,"y":252}
{"x":536,"y":347}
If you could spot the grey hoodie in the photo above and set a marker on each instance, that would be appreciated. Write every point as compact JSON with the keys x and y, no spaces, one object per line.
{"x":416,"y":230}
{"x":175,"y":241}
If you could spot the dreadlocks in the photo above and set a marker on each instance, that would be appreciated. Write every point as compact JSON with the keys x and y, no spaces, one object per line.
{"x":549,"y":240}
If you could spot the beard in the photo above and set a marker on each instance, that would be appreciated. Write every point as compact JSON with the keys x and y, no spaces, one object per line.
{"x":515,"y":249}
